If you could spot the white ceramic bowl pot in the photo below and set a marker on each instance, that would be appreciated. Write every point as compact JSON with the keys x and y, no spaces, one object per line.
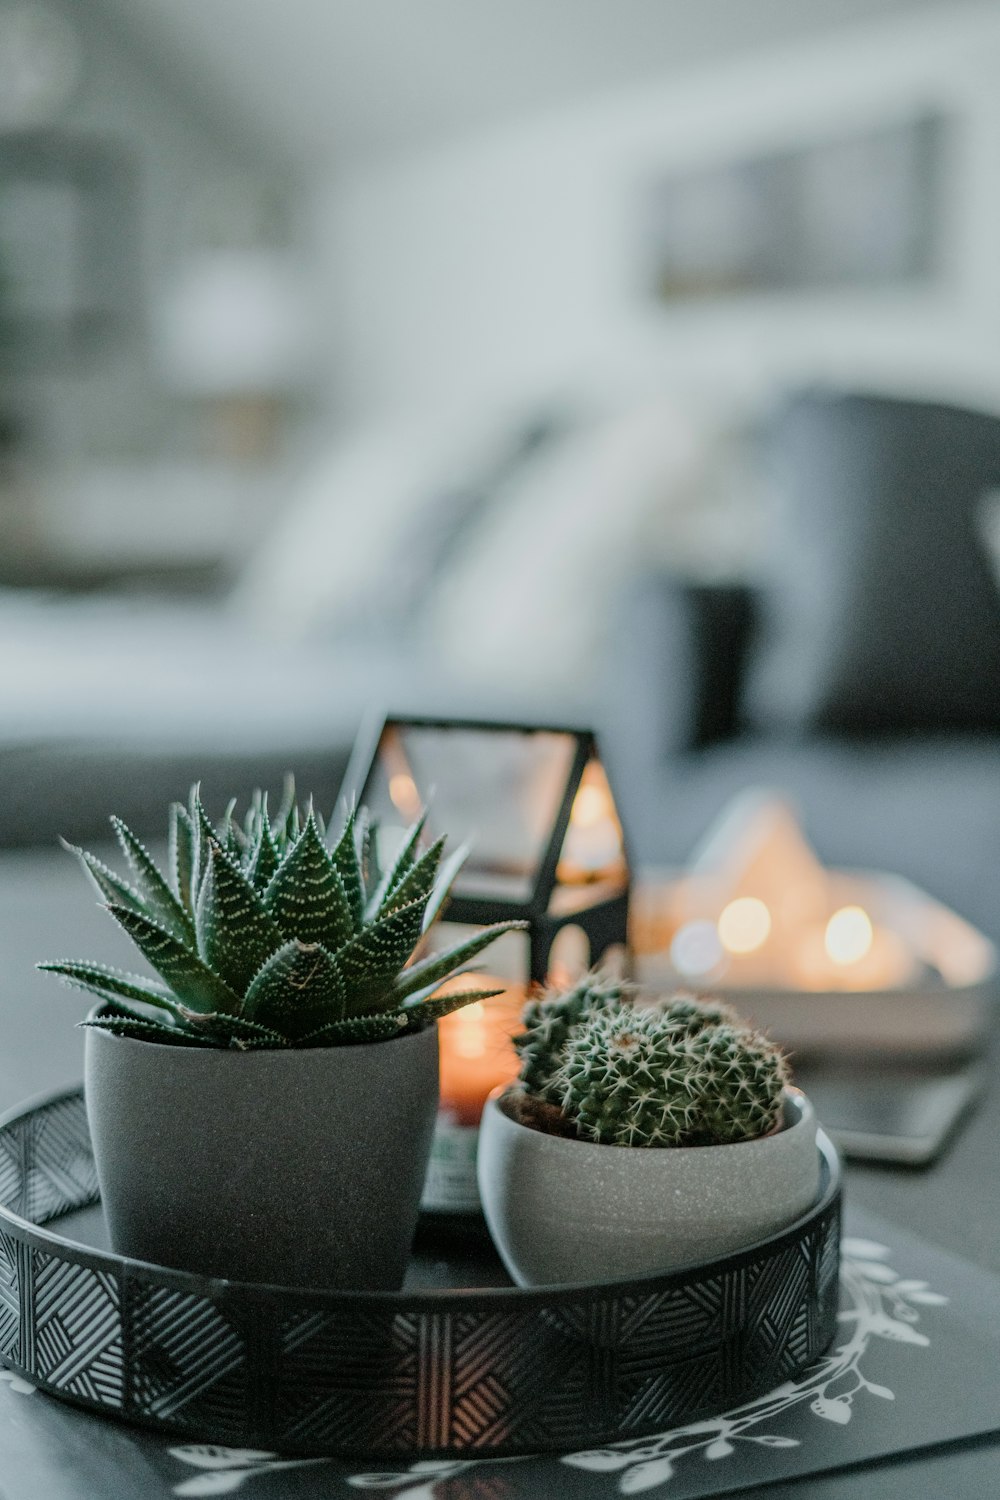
{"x":563,"y":1210}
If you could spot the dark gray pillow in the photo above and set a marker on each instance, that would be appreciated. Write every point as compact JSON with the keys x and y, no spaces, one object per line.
{"x":881,"y":611}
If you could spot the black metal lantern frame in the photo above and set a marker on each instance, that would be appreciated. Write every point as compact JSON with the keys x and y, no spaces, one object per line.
{"x":400,"y":767}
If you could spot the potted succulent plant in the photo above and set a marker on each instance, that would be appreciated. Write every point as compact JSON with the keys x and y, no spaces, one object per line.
{"x":263,"y":1109}
{"x":640,"y":1138}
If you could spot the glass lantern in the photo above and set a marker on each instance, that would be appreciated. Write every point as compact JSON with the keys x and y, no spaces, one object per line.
{"x":534,"y":806}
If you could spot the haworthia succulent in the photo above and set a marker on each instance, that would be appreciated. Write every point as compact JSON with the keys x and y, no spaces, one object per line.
{"x":264,"y":936}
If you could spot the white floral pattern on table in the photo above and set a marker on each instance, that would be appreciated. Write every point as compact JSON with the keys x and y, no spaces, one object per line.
{"x":877,"y":1304}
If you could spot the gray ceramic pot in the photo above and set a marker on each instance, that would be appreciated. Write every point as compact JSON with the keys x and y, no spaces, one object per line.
{"x":302,"y":1167}
{"x":563,"y":1210}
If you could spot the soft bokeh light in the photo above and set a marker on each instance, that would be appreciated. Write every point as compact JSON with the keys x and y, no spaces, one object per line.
{"x":744,"y":925}
{"x":696,"y":950}
{"x":849,"y":935}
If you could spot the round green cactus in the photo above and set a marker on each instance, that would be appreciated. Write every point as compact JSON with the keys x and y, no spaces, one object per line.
{"x":683,"y":1073}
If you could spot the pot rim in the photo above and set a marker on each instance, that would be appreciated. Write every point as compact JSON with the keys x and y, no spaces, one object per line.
{"x":793,"y":1099}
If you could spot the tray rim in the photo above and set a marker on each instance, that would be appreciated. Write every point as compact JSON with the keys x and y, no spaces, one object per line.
{"x":220,"y":1289}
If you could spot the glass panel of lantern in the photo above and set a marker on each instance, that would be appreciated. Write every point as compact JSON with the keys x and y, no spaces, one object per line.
{"x":535,"y":808}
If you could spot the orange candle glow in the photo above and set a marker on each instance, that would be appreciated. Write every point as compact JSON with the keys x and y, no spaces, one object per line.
{"x":476,"y":1051}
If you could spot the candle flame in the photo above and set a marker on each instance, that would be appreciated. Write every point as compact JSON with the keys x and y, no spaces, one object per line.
{"x":849,"y":935}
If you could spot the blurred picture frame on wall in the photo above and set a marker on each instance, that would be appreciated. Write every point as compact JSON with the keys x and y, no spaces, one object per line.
{"x":68,"y":246}
{"x":860,"y":210}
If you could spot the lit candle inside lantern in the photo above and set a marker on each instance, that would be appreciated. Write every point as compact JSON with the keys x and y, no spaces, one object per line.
{"x":476,"y":1055}
{"x":476,"y":1050}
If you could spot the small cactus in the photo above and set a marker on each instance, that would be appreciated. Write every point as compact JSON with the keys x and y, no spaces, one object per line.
{"x":683,"y":1073}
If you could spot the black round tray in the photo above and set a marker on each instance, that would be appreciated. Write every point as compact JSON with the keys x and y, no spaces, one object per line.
{"x":459,"y":1369}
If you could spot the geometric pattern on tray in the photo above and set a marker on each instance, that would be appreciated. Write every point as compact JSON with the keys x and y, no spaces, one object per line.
{"x":495,"y":1371}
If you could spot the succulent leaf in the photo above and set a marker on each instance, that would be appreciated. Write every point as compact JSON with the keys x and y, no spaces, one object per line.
{"x":398,"y":870}
{"x":366,"y":844}
{"x":181,"y":854}
{"x":422,"y":1012}
{"x":161,"y":903}
{"x":110,"y":885}
{"x":438,"y":967}
{"x":306,"y":896}
{"x":447,"y":875}
{"x":191,"y":980}
{"x":378,"y":1028}
{"x":263,"y":860}
{"x":112,"y":984}
{"x":417,"y":884}
{"x":235,"y":932}
{"x":238,"y":1032}
{"x":141,"y":1030}
{"x":299,"y":989}
{"x":371,"y":960}
{"x":348,"y":866}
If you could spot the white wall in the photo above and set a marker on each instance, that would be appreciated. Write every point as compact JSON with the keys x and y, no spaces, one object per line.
{"x":508,"y":265}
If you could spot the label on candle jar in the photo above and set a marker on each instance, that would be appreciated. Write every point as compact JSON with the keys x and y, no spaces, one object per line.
{"x":450,"y":1185}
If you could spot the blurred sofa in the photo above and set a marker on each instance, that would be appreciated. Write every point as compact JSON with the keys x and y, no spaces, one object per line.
{"x":461,"y":564}
{"x":860,"y":675}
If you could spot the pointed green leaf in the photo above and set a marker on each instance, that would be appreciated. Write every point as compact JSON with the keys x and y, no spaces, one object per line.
{"x":399,"y":868}
{"x":424,"y":1011}
{"x":357,"y":1029}
{"x":243,"y":1035}
{"x":191,"y":980}
{"x":161,"y":902}
{"x":141,"y":1030}
{"x":371,"y":961}
{"x":299,"y":989}
{"x":204,"y":836}
{"x":366,"y":844}
{"x":439,"y":966}
{"x":348,"y":867}
{"x":263,"y":859}
{"x":182,"y":855}
{"x":418,"y":883}
{"x":235,"y":933}
{"x":306,"y":896}
{"x":283,"y":817}
{"x":110,"y":983}
{"x":447,"y":876}
{"x":110,"y":885}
